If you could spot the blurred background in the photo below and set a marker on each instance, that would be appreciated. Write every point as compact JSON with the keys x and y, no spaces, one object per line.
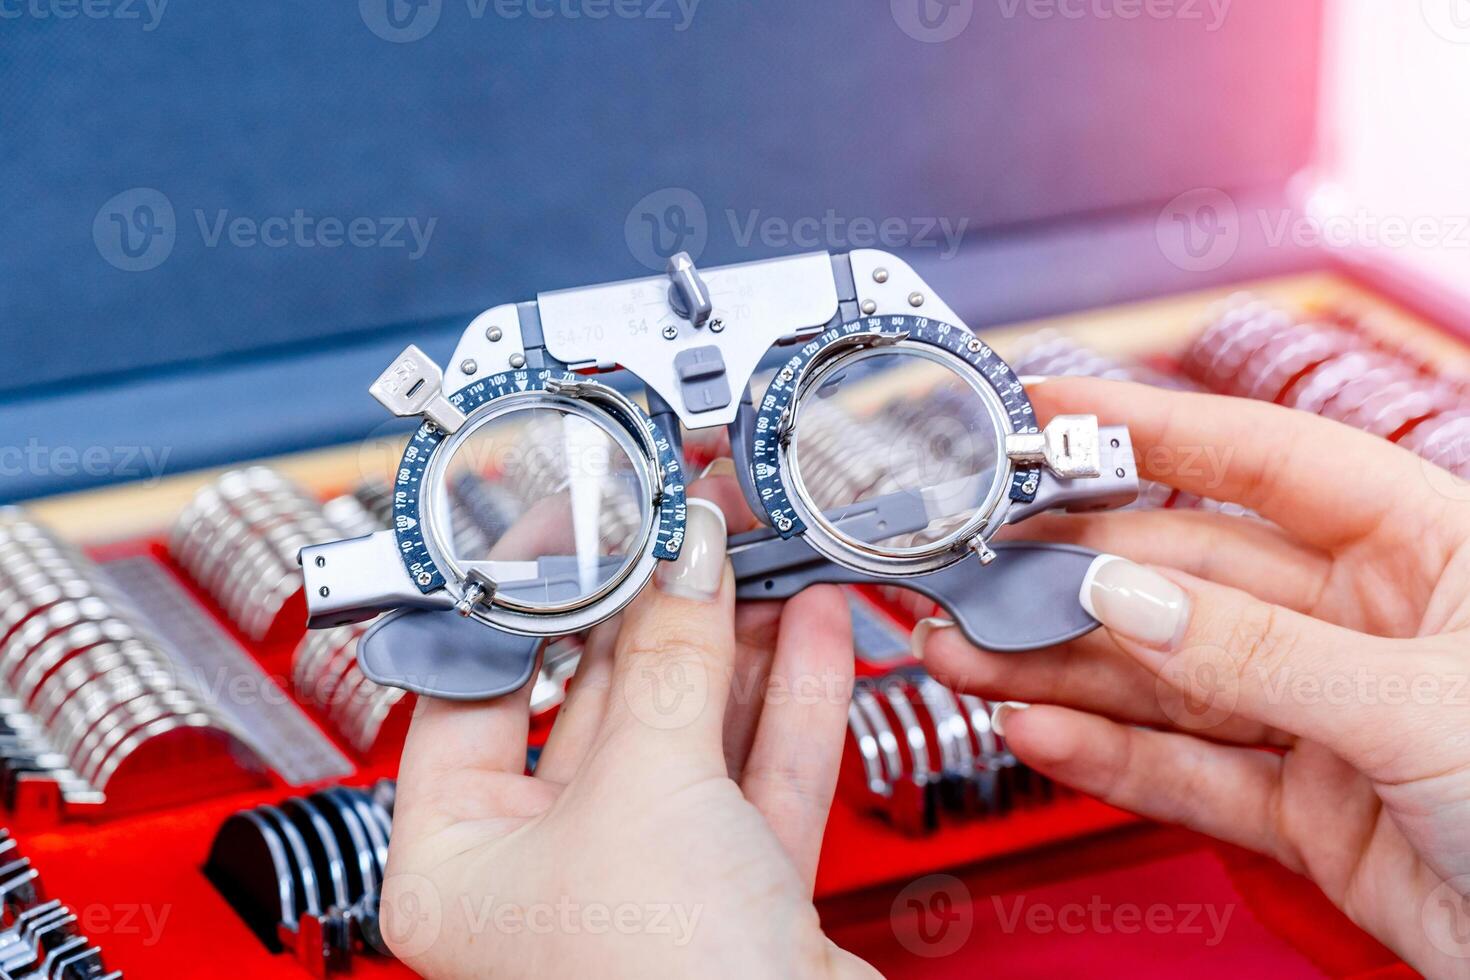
{"x":226,"y":216}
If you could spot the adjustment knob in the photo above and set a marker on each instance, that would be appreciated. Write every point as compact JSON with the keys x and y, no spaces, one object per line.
{"x":688,"y":296}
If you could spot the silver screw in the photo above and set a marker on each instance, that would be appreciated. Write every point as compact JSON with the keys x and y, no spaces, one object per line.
{"x":716,"y":325}
{"x":518,"y":360}
{"x":869,"y":307}
{"x":493,"y":334}
{"x":468,"y":365}
{"x":916,"y":299}
{"x":671,"y":332}
{"x":425,"y":578}
{"x":880,"y":275}
{"x":321,"y":562}
{"x":324,"y":592}
{"x":974,"y":345}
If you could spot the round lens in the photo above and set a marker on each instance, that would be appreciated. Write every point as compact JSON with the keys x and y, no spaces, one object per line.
{"x":896,"y":448}
{"x":546,"y":503}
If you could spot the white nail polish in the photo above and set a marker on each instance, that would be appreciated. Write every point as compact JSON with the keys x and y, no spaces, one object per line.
{"x":1002,"y":710}
{"x":700,"y":568}
{"x":1135,"y":602}
{"x":924,"y":629}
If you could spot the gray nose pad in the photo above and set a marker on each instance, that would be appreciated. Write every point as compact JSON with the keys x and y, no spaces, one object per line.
{"x":444,"y":655}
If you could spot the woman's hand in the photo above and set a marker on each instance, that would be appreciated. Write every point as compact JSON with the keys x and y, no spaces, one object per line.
{"x":1338,"y":636}
{"x":675,"y":818}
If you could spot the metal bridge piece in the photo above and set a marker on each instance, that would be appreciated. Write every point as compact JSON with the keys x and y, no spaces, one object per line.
{"x":1068,"y":447}
{"x":441,"y":655}
{"x":413,"y":385}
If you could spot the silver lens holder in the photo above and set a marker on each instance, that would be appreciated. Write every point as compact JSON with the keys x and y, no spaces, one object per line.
{"x":776,"y":458}
{"x":421,"y":513}
{"x":693,"y":340}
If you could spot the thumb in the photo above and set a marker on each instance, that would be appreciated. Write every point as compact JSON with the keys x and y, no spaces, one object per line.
{"x":675,"y":653}
{"x":1228,"y":653}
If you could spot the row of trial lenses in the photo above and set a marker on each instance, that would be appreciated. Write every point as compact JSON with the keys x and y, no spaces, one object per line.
{"x":307,"y":873}
{"x":1254,"y":349}
{"x":80,"y":662}
{"x":41,"y":938}
{"x":926,"y":750}
{"x":239,"y":539}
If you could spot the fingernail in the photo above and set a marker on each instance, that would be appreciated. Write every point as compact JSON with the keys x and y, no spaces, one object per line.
{"x":700,"y":567}
{"x":721,"y":466}
{"x":1004,"y":710}
{"x":1135,"y":602}
{"x":1032,"y":380}
{"x":924,"y":629}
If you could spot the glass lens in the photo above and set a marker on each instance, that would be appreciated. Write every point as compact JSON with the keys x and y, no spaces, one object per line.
{"x":546,"y":503}
{"x":898,"y":443}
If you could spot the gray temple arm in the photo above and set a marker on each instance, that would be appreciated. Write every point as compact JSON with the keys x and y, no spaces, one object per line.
{"x":1026,"y":600}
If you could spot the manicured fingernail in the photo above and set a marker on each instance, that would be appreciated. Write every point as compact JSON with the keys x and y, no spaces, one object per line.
{"x":1004,"y":710}
{"x":1135,"y":602}
{"x":700,"y":567}
{"x":721,"y":466}
{"x":924,"y":629}
{"x":1032,"y":380}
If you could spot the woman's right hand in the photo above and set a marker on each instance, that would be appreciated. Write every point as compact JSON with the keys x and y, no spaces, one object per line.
{"x":1336,"y":637}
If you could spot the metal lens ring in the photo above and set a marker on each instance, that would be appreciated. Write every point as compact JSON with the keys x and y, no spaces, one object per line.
{"x":919,"y":412}
{"x":588,"y":466}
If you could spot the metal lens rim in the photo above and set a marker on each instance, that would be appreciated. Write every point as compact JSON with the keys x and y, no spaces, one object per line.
{"x":504,"y":611}
{"x":825,"y":537}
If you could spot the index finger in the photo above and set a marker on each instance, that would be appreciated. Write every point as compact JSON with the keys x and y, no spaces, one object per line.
{"x":1326,"y":483}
